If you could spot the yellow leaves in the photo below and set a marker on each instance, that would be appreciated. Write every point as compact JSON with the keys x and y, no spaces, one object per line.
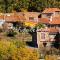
{"x":50,"y":57}
{"x":23,"y":10}
{"x":26,"y":54}
{"x":9,"y":51}
{"x":6,"y":49}
{"x":30,"y":24}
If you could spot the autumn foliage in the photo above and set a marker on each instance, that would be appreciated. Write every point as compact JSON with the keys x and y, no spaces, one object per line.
{"x":30,"y":24}
{"x":10,"y":51}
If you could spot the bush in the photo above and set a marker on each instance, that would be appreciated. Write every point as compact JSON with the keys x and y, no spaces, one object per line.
{"x":6,"y":49}
{"x":19,"y":43}
{"x":56,"y":43}
{"x":50,"y":57}
{"x":11,"y":33}
{"x":9,"y":51}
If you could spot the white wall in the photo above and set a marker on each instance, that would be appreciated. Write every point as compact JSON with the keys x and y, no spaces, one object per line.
{"x":2,"y":22}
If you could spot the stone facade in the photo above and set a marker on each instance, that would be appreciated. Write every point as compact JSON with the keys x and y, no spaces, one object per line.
{"x":31,"y":16}
{"x":43,"y":37}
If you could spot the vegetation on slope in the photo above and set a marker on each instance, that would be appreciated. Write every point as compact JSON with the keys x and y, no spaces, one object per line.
{"x":15,"y":50}
{"x":27,"y":5}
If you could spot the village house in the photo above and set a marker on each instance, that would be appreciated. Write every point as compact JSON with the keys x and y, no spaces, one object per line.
{"x":31,"y":16}
{"x":10,"y":20}
{"x":51,"y":20}
{"x":48,"y":12}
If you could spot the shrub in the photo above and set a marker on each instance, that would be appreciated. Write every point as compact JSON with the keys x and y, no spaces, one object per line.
{"x":56,"y":43}
{"x":50,"y":57}
{"x":11,"y":33}
{"x":9,"y":51}
{"x":19,"y":43}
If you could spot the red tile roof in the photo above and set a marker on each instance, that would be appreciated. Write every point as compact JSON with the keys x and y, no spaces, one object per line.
{"x":11,"y":17}
{"x":1,"y":17}
{"x":55,"y":20}
{"x":21,"y":16}
{"x":43,"y":30}
{"x":44,"y":20}
{"x":53,"y":30}
{"x":51,"y":10}
{"x":50,"y":30}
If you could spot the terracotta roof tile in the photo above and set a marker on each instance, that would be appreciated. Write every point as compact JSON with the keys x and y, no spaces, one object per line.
{"x":50,"y":10}
{"x":43,"y":30}
{"x":21,"y":16}
{"x":1,"y":17}
{"x":11,"y":17}
{"x":50,"y":30}
{"x":17,"y":16}
{"x":53,"y":30}
{"x":55,"y":20}
{"x":44,"y":20}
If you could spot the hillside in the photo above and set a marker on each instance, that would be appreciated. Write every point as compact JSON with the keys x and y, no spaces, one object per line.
{"x":27,"y":5}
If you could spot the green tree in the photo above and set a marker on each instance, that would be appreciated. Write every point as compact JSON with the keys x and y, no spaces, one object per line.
{"x":56,"y":43}
{"x":21,"y":5}
{"x":36,"y":5}
{"x":27,"y":5}
{"x":9,"y":5}
{"x":33,"y":31}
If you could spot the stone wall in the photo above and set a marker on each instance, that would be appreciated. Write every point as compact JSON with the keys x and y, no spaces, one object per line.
{"x":42,"y":38}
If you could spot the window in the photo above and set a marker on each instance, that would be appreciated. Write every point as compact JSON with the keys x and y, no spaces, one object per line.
{"x":42,"y":35}
{"x":48,"y":15}
{"x":31,"y":18}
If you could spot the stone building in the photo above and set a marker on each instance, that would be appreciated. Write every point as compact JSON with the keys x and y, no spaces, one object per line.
{"x":46,"y":36}
{"x":17,"y":17}
{"x":50,"y":18}
{"x":43,"y":37}
{"x":48,"y":12}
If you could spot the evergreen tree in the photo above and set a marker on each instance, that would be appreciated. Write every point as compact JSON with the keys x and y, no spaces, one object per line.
{"x":56,"y":43}
{"x":27,"y":5}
